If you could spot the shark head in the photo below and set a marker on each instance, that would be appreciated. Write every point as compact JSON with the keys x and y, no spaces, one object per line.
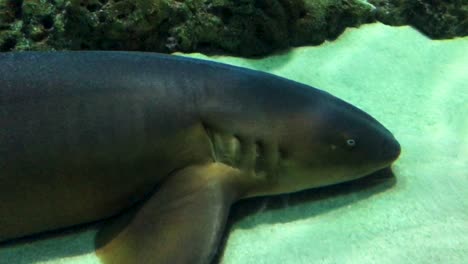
{"x":328,"y":142}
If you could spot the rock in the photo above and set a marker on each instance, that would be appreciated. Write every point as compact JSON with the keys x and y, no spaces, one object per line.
{"x":437,"y":19}
{"x":240,"y":27}
{"x":243,"y":27}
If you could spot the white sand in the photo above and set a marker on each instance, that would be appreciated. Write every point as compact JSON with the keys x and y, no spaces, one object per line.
{"x":415,"y":86}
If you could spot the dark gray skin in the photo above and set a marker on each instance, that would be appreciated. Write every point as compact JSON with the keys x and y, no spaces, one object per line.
{"x":87,"y":135}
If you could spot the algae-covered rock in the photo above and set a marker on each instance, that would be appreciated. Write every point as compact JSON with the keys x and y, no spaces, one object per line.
{"x":245,"y":27}
{"x":31,"y":24}
{"x":436,"y":18}
{"x":242,"y":27}
{"x":327,"y":19}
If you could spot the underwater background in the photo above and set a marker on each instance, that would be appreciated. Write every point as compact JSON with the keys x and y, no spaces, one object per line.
{"x":415,"y":86}
{"x":406,"y":64}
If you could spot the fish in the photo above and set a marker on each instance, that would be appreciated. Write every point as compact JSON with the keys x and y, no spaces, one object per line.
{"x":160,"y":147}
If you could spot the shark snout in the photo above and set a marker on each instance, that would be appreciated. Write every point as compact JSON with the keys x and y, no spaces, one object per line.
{"x":391,"y":149}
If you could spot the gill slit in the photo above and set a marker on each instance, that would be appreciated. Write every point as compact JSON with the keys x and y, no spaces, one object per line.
{"x":210,"y":136}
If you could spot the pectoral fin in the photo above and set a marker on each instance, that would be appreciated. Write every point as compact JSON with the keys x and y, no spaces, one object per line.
{"x":181,"y":222}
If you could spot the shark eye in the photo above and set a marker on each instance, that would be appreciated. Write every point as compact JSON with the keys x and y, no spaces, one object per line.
{"x":350,"y":142}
